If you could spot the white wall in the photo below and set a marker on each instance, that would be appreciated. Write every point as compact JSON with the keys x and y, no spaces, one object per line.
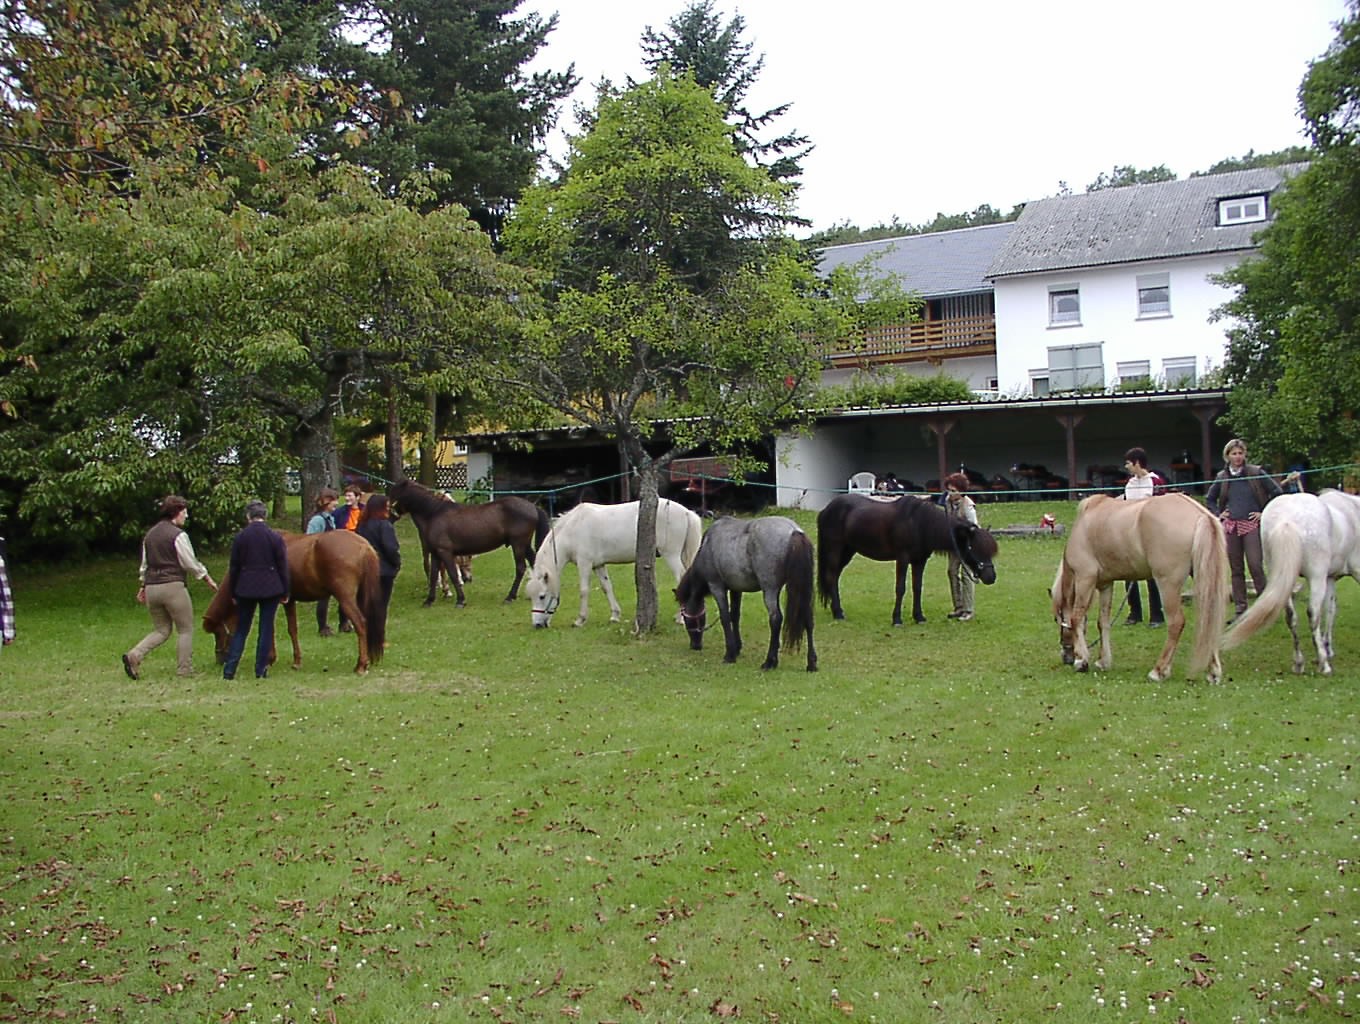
{"x":1109,"y":314}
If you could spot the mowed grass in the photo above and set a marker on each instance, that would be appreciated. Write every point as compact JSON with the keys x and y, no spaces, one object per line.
{"x":503,"y":824}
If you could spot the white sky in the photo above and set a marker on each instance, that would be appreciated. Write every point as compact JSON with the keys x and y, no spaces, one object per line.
{"x":924,"y":107}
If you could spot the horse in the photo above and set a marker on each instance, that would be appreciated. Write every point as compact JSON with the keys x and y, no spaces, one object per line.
{"x":739,"y":556}
{"x":594,"y":536}
{"x":1163,"y":538}
{"x":1315,"y":536}
{"x":906,"y":531}
{"x":462,"y":564}
{"x":337,"y":563}
{"x":449,"y":530}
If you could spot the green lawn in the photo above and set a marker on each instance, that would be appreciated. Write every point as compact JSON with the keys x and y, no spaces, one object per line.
{"x":503,"y":824}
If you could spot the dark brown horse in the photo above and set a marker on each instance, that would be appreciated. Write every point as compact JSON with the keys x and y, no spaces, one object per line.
{"x":448,"y":530}
{"x":906,"y":531}
{"x":337,"y":564}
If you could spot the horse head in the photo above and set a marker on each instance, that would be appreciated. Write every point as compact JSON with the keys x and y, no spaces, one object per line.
{"x":693,"y":609}
{"x":1062,"y":594}
{"x":544,"y":590}
{"x":977,"y":548}
{"x":220,"y":620}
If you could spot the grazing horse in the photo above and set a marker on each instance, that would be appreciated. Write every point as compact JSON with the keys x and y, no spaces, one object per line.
{"x":595,"y":536}
{"x":906,"y":531}
{"x":337,"y":564}
{"x":448,"y":530}
{"x":744,"y":556}
{"x":1162,"y":538}
{"x":1316,"y":536}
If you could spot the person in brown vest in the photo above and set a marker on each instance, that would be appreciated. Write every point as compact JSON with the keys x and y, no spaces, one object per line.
{"x":167,"y":560}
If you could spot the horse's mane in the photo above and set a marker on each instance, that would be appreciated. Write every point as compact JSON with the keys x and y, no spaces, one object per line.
{"x":419,"y":499}
{"x":932,"y":521}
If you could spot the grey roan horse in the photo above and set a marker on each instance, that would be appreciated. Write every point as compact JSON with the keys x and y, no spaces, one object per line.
{"x":743,"y":556}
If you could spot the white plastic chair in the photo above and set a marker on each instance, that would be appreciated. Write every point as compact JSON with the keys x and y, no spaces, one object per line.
{"x":863,"y":483}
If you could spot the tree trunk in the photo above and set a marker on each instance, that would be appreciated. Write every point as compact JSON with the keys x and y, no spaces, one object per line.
{"x":429,"y":444}
{"x":644,"y":570}
{"x":313,"y":445}
{"x":392,"y":438}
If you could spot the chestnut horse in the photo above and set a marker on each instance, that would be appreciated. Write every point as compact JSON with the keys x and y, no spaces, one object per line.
{"x":337,"y":564}
{"x":448,"y":530}
{"x":1161,"y":538}
{"x":906,"y":530}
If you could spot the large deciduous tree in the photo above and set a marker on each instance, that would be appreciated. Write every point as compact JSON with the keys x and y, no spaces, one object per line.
{"x":678,"y":316}
{"x":1294,"y":340}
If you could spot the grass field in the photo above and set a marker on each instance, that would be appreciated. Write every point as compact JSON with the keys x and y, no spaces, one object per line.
{"x":502,"y":824}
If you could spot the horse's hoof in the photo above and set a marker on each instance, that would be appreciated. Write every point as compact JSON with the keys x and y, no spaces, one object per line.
{"x":1080,"y":665}
{"x":427,"y":603}
{"x":1156,"y":676}
{"x":325,"y":631}
{"x":812,"y":667}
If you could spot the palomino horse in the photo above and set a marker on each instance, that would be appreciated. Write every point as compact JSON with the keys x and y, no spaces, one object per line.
{"x":595,"y":536}
{"x":1316,"y":536}
{"x":1159,"y":538}
{"x":744,"y":556}
{"x":906,"y":531}
{"x":449,"y":530}
{"x":337,"y":564}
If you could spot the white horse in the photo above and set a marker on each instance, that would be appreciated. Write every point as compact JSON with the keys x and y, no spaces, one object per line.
{"x":1315,"y":536}
{"x":594,"y":536}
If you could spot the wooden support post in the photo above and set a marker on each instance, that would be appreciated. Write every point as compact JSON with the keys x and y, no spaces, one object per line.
{"x":1070,"y":422}
{"x":941,"y":428}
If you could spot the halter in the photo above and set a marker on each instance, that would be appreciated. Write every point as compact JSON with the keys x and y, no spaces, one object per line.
{"x":551,"y":605}
{"x":694,"y":617}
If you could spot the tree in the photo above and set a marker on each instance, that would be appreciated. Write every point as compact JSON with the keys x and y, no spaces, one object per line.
{"x":1252,"y":159}
{"x":442,"y":87}
{"x":1294,"y":341}
{"x":699,"y":44}
{"x":678,"y":316}
{"x":1127,"y":174}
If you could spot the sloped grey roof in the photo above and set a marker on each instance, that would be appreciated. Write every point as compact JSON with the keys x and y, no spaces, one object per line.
{"x":1134,"y":223}
{"x":935,"y":265}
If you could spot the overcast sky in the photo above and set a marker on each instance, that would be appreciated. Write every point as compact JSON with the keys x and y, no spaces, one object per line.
{"x":918,"y":108}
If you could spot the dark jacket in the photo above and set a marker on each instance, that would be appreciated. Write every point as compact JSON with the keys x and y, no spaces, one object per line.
{"x":259,"y":563}
{"x":1240,"y":495}
{"x":379,"y":533}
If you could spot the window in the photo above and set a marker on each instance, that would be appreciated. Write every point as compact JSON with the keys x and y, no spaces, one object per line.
{"x":1074,"y":367}
{"x":1241,"y":211}
{"x":1154,"y":295}
{"x":1179,"y":372}
{"x":1038,"y":383}
{"x":1135,"y":375}
{"x":1064,"y":305}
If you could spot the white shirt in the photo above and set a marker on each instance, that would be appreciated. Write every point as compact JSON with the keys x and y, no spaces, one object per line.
{"x":1139,"y":487}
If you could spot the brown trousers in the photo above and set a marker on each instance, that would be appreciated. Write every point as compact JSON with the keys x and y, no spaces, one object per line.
{"x":1245,"y":547}
{"x":170,"y":607}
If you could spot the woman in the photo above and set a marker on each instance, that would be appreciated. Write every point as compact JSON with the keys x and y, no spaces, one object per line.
{"x":323,"y":520}
{"x":1142,"y":483}
{"x":259,"y":580}
{"x":375,"y":526}
{"x":1238,"y":495}
{"x":167,"y":560}
{"x":957,"y":503}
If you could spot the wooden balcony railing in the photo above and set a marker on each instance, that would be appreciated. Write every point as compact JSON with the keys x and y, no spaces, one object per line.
{"x":933,"y":340}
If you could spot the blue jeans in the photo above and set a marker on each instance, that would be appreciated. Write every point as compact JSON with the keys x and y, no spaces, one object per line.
{"x":264,"y":642}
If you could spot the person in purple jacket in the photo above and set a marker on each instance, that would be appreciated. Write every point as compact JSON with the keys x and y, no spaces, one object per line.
{"x":258,"y":570}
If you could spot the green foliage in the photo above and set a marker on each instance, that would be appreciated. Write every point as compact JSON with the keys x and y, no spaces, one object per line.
{"x":895,"y":388}
{"x":1252,"y":159}
{"x":1143,"y":383}
{"x":846,"y":233}
{"x":714,"y":54}
{"x":1126,"y":174}
{"x":1294,"y":336}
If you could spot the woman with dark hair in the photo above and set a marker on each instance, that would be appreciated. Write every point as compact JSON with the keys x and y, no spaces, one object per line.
{"x":259,"y":581}
{"x":1142,"y":483}
{"x":375,"y":526}
{"x":167,"y":560}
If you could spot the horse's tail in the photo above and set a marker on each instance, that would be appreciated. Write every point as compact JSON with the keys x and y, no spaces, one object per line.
{"x":1209,"y":554}
{"x":694,"y":536}
{"x":831,"y":520}
{"x":1285,"y":555}
{"x":797,"y":590}
{"x":371,"y":605}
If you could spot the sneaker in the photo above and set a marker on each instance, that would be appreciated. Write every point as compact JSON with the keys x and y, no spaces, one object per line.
{"x":130,"y":666}
{"x":954,"y":615}
{"x":1131,"y":621}
{"x":1156,"y":623}
{"x":964,"y":616}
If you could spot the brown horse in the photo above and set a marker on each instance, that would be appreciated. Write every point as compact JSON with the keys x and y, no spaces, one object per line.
{"x":337,"y":564}
{"x":1162,"y":538}
{"x":448,"y":530}
{"x":906,"y":530}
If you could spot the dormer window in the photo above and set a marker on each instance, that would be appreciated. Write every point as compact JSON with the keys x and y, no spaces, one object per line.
{"x":1242,"y":210}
